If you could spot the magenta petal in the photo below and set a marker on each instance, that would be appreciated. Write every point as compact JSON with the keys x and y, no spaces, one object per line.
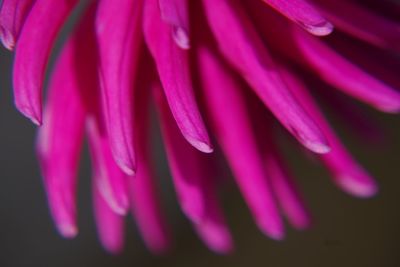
{"x":59,"y":142}
{"x":237,"y":140}
{"x":110,"y":226}
{"x":185,"y":169}
{"x":112,"y":183}
{"x":241,"y":45}
{"x":303,"y":13}
{"x":176,"y":13}
{"x":362,"y":23}
{"x":286,"y":191}
{"x":213,"y":230}
{"x":348,"y":174}
{"x":119,"y":42}
{"x":12,"y":17}
{"x":143,"y":192}
{"x":174,"y":70}
{"x":32,"y":52}
{"x":346,"y":76}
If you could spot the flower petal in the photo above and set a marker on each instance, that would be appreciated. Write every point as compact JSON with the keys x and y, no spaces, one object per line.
{"x":59,"y":142}
{"x":173,"y":68}
{"x":145,"y":202}
{"x":241,"y":45}
{"x":348,"y":174}
{"x":362,"y":23}
{"x":237,"y":141}
{"x":344,"y":75}
{"x":176,"y":13}
{"x":32,"y":53}
{"x":303,"y":13}
{"x":112,"y":183}
{"x":110,"y":226}
{"x":12,"y":17}
{"x":119,"y":41}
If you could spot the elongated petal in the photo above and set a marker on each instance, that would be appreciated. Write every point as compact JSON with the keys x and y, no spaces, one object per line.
{"x":32,"y":52}
{"x":241,"y":45}
{"x":143,"y":191}
{"x":303,"y":13}
{"x":286,"y":191}
{"x":185,"y":169}
{"x":176,"y":13}
{"x":110,"y":226}
{"x":110,"y":180}
{"x":119,"y":40}
{"x":360,"y":22}
{"x":237,"y":140}
{"x":173,"y":68}
{"x":347,"y":173}
{"x":213,"y":230}
{"x":59,"y":142}
{"x":12,"y":17}
{"x":344,"y":75}
{"x":196,"y":194}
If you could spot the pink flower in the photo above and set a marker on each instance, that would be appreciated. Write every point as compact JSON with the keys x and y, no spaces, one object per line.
{"x":225,"y":68}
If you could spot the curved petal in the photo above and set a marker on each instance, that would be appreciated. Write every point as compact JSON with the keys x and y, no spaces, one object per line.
{"x":32,"y":53}
{"x":59,"y":142}
{"x":303,"y":13}
{"x":173,"y":67}
{"x":229,"y":117}
{"x":119,"y":41}
{"x":240,"y":44}
{"x":12,"y":17}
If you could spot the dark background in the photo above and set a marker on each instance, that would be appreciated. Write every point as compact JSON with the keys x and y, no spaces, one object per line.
{"x":347,"y":231}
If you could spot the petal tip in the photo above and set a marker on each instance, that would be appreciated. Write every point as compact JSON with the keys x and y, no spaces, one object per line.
{"x":362,"y":189}
{"x":68,"y":230}
{"x":323,"y":28}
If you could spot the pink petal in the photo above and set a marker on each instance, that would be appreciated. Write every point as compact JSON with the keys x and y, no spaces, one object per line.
{"x":303,"y":13}
{"x":362,"y":23}
{"x":110,"y":226}
{"x":213,"y":230}
{"x":143,"y":191}
{"x":173,"y":68}
{"x":348,"y":174}
{"x":59,"y":142}
{"x":119,"y":41}
{"x":12,"y":17}
{"x":112,"y":183}
{"x":237,"y":140}
{"x":185,"y":169}
{"x":32,"y":52}
{"x":344,"y":75}
{"x":176,"y":13}
{"x":241,"y":45}
{"x":286,"y":191}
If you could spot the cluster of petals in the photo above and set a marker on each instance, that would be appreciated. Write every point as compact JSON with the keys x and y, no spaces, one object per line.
{"x":222,"y":75}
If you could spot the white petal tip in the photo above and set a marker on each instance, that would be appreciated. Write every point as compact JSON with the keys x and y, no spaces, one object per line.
{"x":68,"y":230}
{"x":361,"y":189}
{"x":321,"y":29}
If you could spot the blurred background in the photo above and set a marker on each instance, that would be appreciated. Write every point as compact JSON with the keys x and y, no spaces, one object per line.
{"x":346,"y":232}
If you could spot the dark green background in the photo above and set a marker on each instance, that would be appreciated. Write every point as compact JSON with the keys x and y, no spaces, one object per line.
{"x":347,"y":231}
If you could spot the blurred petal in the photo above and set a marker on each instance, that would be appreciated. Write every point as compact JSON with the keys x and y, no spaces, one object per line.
{"x":60,"y":140}
{"x":348,"y":174}
{"x":234,"y":134}
{"x":110,"y":226}
{"x":112,"y":183}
